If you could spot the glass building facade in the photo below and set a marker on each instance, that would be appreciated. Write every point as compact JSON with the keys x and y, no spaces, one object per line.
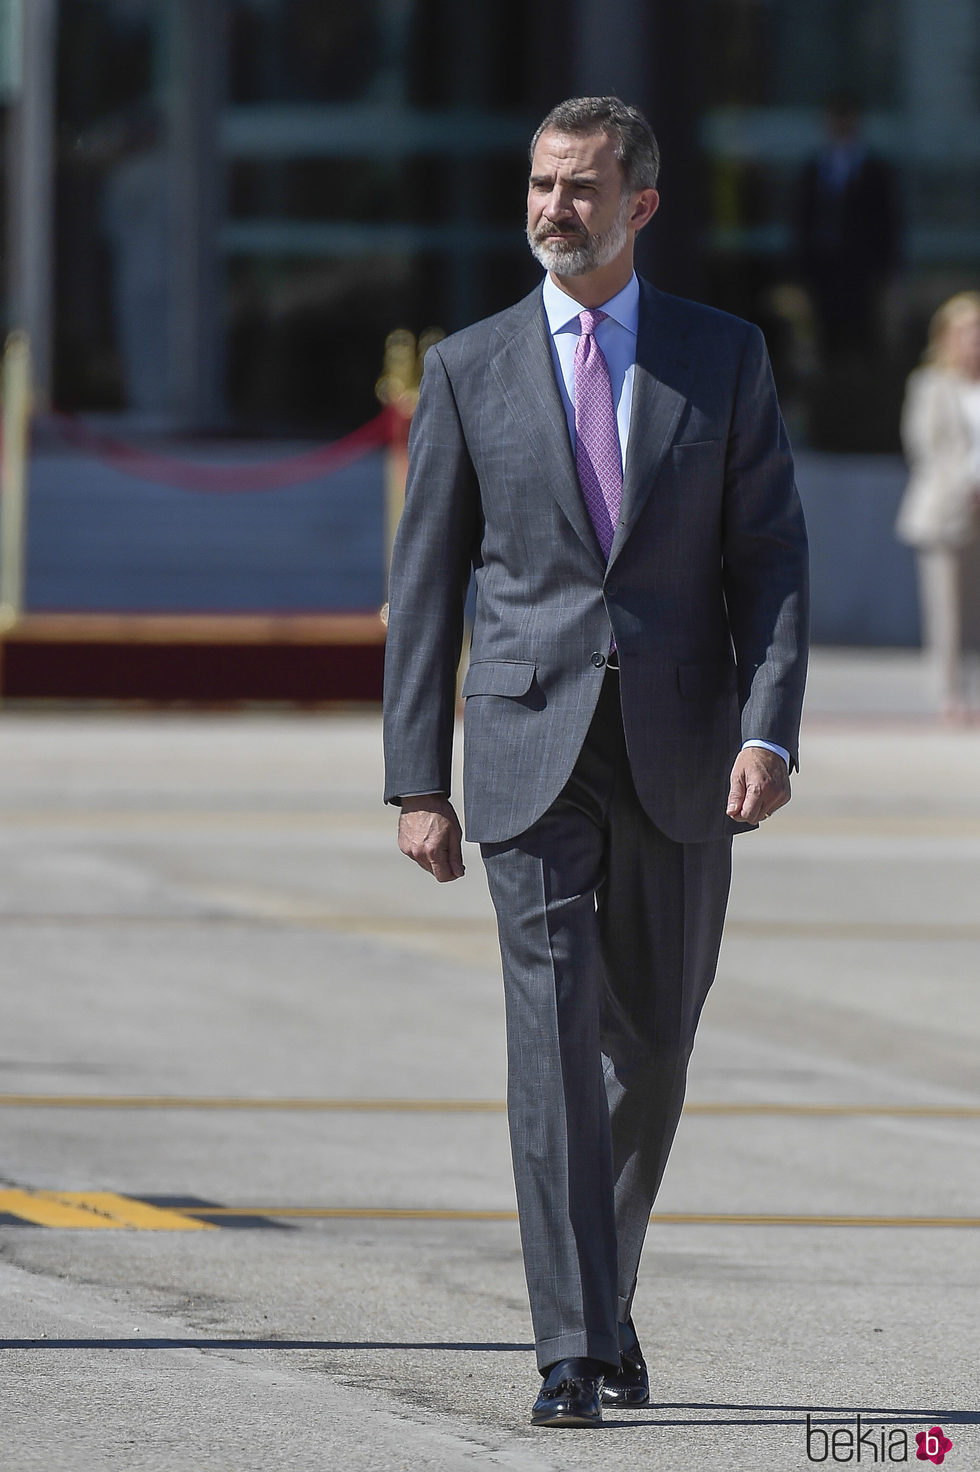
{"x":249,"y":194}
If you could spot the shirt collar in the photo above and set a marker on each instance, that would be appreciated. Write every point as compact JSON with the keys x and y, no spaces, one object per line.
{"x":561,"y":309}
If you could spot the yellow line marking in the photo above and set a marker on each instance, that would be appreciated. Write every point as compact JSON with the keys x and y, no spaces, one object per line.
{"x":48,"y":1209}
{"x":95,"y":1210}
{"x":459,"y":1106}
{"x":875,"y":825}
{"x":790,"y":825}
{"x":795,"y":1219}
{"x":869,"y":1111}
{"x":166,"y":1101}
{"x":267,"y":909}
{"x":357,"y":1213}
{"x":264,"y":911}
{"x":395,"y":925}
{"x":107,"y":1210}
{"x":194,"y":819}
{"x":855,"y":929}
{"x":666,"y":1218}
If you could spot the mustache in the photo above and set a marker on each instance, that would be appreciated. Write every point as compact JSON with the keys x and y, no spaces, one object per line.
{"x":546,"y":232}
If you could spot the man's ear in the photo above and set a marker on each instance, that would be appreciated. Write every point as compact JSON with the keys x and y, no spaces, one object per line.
{"x":645,"y":206}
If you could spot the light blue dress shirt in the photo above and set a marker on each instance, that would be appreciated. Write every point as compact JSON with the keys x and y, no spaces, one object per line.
{"x":616,"y":337}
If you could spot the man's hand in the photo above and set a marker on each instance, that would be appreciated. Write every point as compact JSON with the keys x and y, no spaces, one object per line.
{"x":760,"y":785}
{"x":429,"y":833}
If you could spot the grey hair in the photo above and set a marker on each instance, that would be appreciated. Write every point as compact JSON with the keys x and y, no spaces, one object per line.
{"x":637,"y":150}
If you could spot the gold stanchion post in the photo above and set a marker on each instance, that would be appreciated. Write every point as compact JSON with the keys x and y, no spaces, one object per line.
{"x":17,"y":403}
{"x":398,"y":389}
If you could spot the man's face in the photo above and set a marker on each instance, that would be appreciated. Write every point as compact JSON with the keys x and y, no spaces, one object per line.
{"x":578,"y":208}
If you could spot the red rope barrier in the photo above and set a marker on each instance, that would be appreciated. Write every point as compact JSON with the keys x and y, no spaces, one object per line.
{"x":186,"y":475}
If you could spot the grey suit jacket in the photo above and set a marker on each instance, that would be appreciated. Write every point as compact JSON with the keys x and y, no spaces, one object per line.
{"x":705,"y":587}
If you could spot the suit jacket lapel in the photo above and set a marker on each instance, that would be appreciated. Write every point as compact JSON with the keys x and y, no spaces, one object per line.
{"x":660,"y":383}
{"x":526,"y":373}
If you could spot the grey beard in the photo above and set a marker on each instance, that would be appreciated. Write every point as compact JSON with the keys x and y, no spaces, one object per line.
{"x":578,"y":256}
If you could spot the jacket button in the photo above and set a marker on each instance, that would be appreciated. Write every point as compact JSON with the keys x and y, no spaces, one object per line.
{"x":598,"y":660}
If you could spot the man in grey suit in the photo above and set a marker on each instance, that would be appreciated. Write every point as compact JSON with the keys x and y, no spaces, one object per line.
{"x":612,"y":464}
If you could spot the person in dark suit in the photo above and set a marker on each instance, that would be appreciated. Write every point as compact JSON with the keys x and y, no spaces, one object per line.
{"x":848,"y":234}
{"x":611,"y":463}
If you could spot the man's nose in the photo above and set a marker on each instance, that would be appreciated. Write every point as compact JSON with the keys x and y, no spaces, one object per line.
{"x":558,"y":205}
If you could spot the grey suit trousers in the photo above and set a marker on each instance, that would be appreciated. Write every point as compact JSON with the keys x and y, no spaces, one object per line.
{"x":609,"y":936}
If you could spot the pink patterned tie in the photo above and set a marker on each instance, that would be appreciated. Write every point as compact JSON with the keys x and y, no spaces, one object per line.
{"x":597,"y":455}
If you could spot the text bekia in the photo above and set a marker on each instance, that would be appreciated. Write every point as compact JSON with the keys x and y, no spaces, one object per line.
{"x":873,"y":1444}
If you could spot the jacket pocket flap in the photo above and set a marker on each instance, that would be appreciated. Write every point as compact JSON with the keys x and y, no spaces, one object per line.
{"x":714,"y":677}
{"x":499,"y":677}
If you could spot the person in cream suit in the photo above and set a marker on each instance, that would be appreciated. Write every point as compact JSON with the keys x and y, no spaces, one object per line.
{"x":940,"y":511}
{"x":610,"y":462}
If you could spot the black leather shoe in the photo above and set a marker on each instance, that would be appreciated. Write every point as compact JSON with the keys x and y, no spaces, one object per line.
{"x":570,"y":1395}
{"x":631,"y":1385}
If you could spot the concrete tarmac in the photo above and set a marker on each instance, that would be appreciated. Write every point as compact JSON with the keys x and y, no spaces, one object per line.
{"x":256,"y":1208}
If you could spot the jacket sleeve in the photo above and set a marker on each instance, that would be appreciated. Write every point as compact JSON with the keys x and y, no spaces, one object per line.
{"x":765,"y":560}
{"x":434,"y":553}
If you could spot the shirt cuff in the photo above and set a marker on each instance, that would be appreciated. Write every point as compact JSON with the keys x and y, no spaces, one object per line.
{"x":770,"y":746}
